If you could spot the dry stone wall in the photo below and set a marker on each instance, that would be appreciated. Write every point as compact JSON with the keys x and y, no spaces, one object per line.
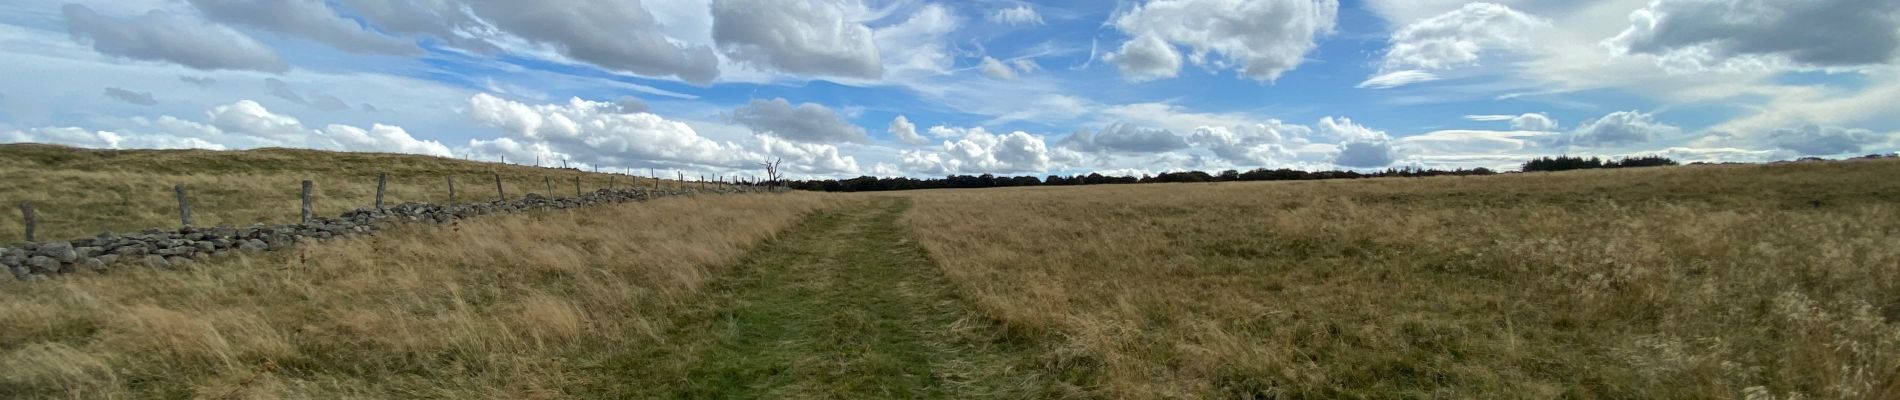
{"x":161,"y":249}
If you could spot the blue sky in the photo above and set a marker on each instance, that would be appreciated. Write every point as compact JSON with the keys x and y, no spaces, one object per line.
{"x":984,"y":86}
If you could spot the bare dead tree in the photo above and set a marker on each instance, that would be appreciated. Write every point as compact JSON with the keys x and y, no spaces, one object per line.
{"x":771,"y":171}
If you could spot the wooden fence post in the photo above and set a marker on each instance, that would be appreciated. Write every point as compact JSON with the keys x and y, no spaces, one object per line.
{"x":382,"y":181}
{"x":577,"y":186}
{"x":499,"y":194}
{"x":451,"y":191}
{"x":550,"y":183}
{"x":26,"y":212}
{"x":184,"y":206}
{"x":308,"y":187}
{"x":610,"y":182}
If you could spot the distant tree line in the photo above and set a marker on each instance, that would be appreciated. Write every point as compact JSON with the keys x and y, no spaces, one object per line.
{"x":874,"y":184}
{"x":1566,"y":163}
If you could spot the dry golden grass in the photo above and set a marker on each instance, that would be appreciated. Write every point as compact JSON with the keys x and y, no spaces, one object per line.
{"x":494,"y":307}
{"x":1693,"y":282}
{"x":79,"y":193}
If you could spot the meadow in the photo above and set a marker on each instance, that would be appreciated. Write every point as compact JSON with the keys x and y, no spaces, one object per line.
{"x":1772,"y":281}
{"x":1709,"y":281}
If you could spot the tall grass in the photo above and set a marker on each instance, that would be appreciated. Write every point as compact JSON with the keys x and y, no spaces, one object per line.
{"x":79,"y":193}
{"x":1690,"y":282}
{"x":496,"y":307}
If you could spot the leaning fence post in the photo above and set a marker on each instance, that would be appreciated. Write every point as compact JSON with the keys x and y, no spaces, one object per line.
{"x":577,"y":186}
{"x":499,"y":194}
{"x":382,"y":181}
{"x":184,"y":207}
{"x":26,"y":212}
{"x":550,"y":183}
{"x":451,"y":191}
{"x":307,"y":212}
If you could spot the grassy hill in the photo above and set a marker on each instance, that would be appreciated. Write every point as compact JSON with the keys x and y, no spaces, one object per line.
{"x":1733,"y":281}
{"x":81,"y":192}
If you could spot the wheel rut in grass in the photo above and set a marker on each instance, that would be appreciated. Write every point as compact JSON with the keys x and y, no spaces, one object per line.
{"x":842,"y":306}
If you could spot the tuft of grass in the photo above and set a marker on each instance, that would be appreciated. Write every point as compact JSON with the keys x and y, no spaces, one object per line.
{"x":1692,"y":282}
{"x":83,"y":192}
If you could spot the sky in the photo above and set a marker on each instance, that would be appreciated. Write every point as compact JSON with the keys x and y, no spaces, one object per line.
{"x":920,"y":88}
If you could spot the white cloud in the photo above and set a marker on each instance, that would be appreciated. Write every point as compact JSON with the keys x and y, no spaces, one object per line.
{"x":1458,"y":37}
{"x":917,"y":45}
{"x":1121,"y":137}
{"x":385,"y":138}
{"x":1622,"y":128}
{"x":1396,"y":79}
{"x":598,"y":133}
{"x":808,"y":122}
{"x":1253,"y":144}
{"x":1534,"y":122}
{"x":1146,"y":58}
{"x":813,"y":37}
{"x":304,"y":18}
{"x":996,"y":69}
{"x":1018,"y":15}
{"x":811,"y":158}
{"x":1359,"y":146}
{"x":980,"y":152}
{"x":617,"y":35}
{"x":906,"y":132}
{"x":241,"y":125}
{"x":1742,"y":34}
{"x":1262,"y":39}
{"x":163,"y":36}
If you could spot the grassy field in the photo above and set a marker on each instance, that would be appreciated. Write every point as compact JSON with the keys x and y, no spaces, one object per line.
{"x":1693,"y":282}
{"x":79,"y":193}
{"x":1760,"y":282}
{"x":497,"y":307}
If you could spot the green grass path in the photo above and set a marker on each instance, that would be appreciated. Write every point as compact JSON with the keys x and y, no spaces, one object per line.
{"x":842,"y":306}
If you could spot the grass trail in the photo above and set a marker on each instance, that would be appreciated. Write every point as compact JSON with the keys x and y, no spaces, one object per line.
{"x":842,"y":306}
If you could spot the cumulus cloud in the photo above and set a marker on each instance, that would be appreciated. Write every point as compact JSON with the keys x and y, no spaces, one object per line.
{"x":1812,"y":140}
{"x":1122,"y":137}
{"x":1729,"y":34}
{"x":241,"y":125}
{"x":618,"y":35}
{"x":801,"y":37}
{"x":80,"y":137}
{"x":906,"y":132}
{"x":162,"y":36}
{"x":995,"y":69}
{"x":811,"y":158}
{"x":139,"y":98}
{"x":1252,"y":144}
{"x":1146,"y":58}
{"x":981,"y":152}
{"x":1622,"y":128}
{"x":808,"y":122}
{"x":310,"y":19}
{"x":1359,"y":146}
{"x":631,"y":105}
{"x":1458,"y":37}
{"x":1018,"y":15}
{"x":596,"y":133}
{"x":1534,"y":122}
{"x":917,"y":45}
{"x":1261,"y":38}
